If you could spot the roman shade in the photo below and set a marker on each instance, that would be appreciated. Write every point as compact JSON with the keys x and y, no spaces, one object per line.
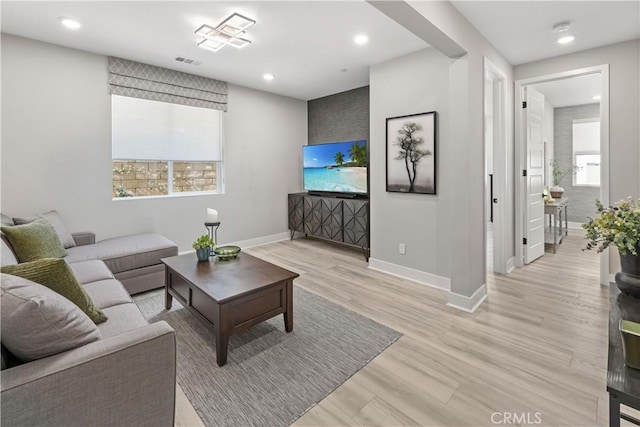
{"x":137,"y":80}
{"x":160,"y":131}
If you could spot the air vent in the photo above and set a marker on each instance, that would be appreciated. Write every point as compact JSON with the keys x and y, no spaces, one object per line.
{"x":188,"y":61}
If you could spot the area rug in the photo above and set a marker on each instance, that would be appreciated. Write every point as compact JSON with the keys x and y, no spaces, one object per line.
{"x":271,"y":377}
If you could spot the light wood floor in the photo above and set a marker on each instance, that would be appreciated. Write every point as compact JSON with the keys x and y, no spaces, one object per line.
{"x":538,"y":345}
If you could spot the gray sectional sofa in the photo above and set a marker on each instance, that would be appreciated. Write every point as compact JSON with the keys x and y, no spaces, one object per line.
{"x":127,"y":377}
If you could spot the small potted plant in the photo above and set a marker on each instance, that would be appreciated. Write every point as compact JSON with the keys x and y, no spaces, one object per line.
{"x":619,"y":225}
{"x":559,"y":171}
{"x":203,"y":246}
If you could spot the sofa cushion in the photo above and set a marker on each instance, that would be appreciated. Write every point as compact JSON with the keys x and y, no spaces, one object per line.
{"x":57,"y":275}
{"x":122,"y":318}
{"x":107,"y":293}
{"x":126,"y":252}
{"x":38,"y":322}
{"x":7,"y":257}
{"x":34,"y":241}
{"x":90,"y":271}
{"x":52,"y":218}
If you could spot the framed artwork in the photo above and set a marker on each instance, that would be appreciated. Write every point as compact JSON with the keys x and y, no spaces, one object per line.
{"x":411,"y":153}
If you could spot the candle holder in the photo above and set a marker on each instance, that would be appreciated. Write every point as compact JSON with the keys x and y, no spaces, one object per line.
{"x":212,"y":229}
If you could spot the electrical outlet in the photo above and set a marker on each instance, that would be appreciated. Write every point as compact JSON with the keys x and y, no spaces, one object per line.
{"x":401,"y":248}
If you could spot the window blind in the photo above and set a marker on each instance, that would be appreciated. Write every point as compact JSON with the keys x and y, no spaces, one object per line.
{"x":137,"y":80}
{"x":150,"y":130}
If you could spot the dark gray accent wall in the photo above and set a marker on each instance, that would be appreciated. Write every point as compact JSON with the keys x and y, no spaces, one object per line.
{"x":581,"y":199}
{"x":340,"y":117}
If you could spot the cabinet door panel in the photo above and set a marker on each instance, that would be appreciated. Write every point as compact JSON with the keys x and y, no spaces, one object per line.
{"x":356,"y":222}
{"x":296,"y":212}
{"x":331,"y":219}
{"x":312,"y":215}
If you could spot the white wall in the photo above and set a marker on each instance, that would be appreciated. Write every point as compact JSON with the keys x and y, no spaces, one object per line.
{"x":414,"y":83}
{"x":461,"y":169}
{"x":56,"y":152}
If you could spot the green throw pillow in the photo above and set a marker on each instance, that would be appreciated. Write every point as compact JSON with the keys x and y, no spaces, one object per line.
{"x":35,"y":240}
{"x":55,"y":274}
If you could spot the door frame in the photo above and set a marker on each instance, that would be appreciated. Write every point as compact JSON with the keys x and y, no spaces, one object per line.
{"x":500,"y":165}
{"x":520,"y":134}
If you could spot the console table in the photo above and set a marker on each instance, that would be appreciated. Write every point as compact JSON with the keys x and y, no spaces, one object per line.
{"x":344,"y":221}
{"x":623,"y":384}
{"x":556,"y":231}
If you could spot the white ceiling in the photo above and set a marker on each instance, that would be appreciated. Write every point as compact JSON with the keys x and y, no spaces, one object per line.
{"x":573,"y":91}
{"x":522,"y":30}
{"x":304,"y":44}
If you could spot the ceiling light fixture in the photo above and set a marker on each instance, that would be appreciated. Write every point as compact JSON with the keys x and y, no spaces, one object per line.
{"x":228,"y":32}
{"x":560,"y":29}
{"x":360,"y":39}
{"x":596,"y":97}
{"x":69,"y":22}
{"x":268,"y":76}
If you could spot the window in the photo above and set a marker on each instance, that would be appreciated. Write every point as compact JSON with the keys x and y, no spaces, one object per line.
{"x":586,"y":152}
{"x":160,"y":148}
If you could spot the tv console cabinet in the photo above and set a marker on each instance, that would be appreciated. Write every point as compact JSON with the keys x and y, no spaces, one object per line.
{"x":335,"y":219}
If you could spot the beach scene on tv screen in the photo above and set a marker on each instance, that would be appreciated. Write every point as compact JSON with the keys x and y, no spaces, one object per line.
{"x":338,"y":167}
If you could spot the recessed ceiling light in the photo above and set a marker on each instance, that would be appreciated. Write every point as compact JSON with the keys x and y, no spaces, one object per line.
{"x":566,"y":39}
{"x":361,"y":39}
{"x":596,"y":97}
{"x":69,"y":22}
{"x":268,"y":76}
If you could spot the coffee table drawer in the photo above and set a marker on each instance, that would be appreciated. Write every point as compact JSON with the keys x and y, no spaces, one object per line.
{"x":267,"y":302}
{"x":180,"y":286}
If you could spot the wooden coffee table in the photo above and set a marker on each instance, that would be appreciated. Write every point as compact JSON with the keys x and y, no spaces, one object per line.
{"x":230,"y":296}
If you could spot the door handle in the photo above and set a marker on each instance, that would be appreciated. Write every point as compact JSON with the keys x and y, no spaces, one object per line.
{"x":495,"y":200}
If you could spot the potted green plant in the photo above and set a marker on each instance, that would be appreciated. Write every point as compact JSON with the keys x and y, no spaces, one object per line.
{"x":203,"y":246}
{"x":619,"y":225}
{"x":559,"y":171}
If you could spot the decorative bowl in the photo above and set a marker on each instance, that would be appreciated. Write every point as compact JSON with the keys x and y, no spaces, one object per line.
{"x":226,"y":252}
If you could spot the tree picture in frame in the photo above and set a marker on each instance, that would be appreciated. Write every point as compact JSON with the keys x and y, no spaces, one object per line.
{"x":411,"y":153}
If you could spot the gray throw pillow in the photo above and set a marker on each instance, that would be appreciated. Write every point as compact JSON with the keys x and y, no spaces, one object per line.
{"x":53,"y":218}
{"x":37,"y":322}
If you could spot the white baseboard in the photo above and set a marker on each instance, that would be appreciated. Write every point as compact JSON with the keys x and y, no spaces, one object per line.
{"x":244,"y":244}
{"x":412,"y":274}
{"x":612,"y":279}
{"x":272,"y":238}
{"x":468,"y":304}
{"x":575,"y":225}
{"x":511,"y":264}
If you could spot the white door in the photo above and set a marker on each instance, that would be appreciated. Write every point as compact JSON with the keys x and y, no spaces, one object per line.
{"x":534,"y":151}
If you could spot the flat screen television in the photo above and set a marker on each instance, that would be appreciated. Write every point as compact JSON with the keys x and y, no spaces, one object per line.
{"x":338,"y":167}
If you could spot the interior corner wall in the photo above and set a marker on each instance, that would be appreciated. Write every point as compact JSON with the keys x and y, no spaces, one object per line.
{"x":339,"y":117}
{"x":413,"y":83}
{"x":56,"y":152}
{"x":466,"y":194}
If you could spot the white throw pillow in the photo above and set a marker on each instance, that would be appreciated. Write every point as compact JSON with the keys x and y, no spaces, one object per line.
{"x":37,"y":322}
{"x":53,"y":218}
